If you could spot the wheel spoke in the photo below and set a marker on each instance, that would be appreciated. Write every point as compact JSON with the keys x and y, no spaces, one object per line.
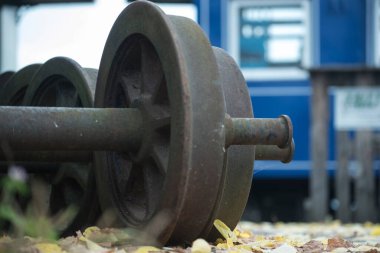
{"x":161,"y":116}
{"x":130,"y":83}
{"x":160,"y":155}
{"x":122,"y":175}
{"x":153,"y":181}
{"x":64,"y":95}
{"x":150,"y":69}
{"x":160,"y":94}
{"x":75,"y":100}
{"x":134,"y":192}
{"x":46,"y":97}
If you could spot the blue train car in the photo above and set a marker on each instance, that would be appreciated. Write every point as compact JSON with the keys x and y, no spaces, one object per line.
{"x":275,"y":42}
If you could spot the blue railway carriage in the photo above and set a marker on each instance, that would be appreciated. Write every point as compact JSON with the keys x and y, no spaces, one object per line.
{"x":275,"y":42}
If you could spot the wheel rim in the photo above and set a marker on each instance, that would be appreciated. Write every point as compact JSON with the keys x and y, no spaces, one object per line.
{"x":182,"y":50}
{"x":4,"y":77}
{"x":239,"y":159}
{"x":14,"y":90}
{"x":61,"y":82}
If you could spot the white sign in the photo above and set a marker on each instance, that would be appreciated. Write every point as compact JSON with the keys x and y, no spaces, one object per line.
{"x":357,"y":108}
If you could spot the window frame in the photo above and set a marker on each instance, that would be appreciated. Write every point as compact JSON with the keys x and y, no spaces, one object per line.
{"x":268,"y":73}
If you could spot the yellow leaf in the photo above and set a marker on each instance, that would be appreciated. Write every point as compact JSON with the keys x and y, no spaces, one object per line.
{"x":222,"y":246}
{"x":224,"y":230}
{"x":256,"y":249}
{"x":146,"y":249}
{"x":259,"y":238}
{"x":279,"y":238}
{"x":48,"y":248}
{"x":230,"y":243}
{"x":267,"y":244}
{"x":219,"y":240}
{"x":243,"y":248}
{"x":375,"y":231}
{"x":89,"y":231}
{"x":200,"y":246}
{"x":91,"y":245}
{"x":245,"y":235}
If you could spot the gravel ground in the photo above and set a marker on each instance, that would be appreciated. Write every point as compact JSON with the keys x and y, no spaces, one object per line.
{"x":247,"y":237}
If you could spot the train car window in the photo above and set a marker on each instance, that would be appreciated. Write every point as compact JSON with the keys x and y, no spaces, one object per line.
{"x":270,"y":39}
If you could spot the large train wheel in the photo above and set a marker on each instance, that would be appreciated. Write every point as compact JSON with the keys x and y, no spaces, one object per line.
{"x":4,"y":77}
{"x":61,"y":82}
{"x":165,"y":66}
{"x":14,"y":89}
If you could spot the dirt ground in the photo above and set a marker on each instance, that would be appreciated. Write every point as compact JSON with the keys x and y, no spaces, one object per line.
{"x":247,"y":237}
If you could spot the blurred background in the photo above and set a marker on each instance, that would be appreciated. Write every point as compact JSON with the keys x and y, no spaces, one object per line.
{"x":315,"y":60}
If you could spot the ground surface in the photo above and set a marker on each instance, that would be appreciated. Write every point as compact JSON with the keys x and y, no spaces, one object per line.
{"x":248,"y":237}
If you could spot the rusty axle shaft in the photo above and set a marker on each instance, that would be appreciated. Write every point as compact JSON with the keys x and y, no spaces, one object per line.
{"x":62,"y":130}
{"x":263,"y":152}
{"x":54,"y":128}
{"x":256,"y":131}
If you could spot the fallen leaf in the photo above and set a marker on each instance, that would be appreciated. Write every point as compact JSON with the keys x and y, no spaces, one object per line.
{"x":337,"y":242}
{"x":88,"y":231}
{"x":92,"y":245}
{"x":48,"y":248}
{"x":285,"y":248}
{"x":376,"y":231}
{"x":224,"y":230}
{"x":200,"y":246}
{"x":146,"y":249}
{"x":222,"y":246}
{"x":312,"y":247}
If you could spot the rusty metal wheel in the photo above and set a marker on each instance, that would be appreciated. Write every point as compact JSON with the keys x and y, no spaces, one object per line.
{"x":61,"y":82}
{"x":4,"y":77}
{"x":14,"y":90}
{"x":239,"y":159}
{"x":164,"y":66}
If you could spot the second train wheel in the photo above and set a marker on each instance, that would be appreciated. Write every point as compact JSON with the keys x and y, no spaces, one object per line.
{"x":165,"y":66}
{"x":4,"y":77}
{"x":61,"y":82}
{"x":14,"y":89}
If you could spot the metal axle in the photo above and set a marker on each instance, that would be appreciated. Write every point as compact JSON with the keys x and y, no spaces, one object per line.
{"x":55,"y":128}
{"x":256,"y":131}
{"x":62,"y":130}
{"x":263,"y":152}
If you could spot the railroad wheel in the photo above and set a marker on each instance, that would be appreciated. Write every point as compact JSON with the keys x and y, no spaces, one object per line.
{"x":165,"y":66}
{"x":61,"y":82}
{"x":4,"y":77}
{"x":14,"y":89}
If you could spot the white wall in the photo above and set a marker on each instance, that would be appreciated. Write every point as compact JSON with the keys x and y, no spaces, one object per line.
{"x":78,"y":31}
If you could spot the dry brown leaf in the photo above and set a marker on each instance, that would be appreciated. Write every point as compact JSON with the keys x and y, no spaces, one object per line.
{"x":311,"y":247}
{"x":337,"y":242}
